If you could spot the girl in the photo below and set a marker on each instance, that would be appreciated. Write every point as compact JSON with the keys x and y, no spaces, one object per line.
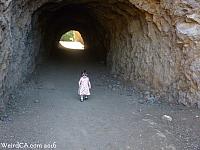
{"x":84,"y":86}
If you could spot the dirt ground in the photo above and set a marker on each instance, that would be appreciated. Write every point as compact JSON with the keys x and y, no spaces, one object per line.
{"x":46,"y":110}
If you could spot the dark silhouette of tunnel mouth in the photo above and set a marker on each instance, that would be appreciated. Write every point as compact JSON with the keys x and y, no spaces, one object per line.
{"x":55,"y":19}
{"x":58,"y":22}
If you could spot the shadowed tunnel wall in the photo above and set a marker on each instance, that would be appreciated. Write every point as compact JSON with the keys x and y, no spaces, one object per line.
{"x":145,"y":42}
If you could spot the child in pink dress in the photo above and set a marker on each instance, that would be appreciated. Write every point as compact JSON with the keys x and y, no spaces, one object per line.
{"x":84,"y":86}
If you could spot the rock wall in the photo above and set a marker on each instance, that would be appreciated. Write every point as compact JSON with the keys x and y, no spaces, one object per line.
{"x":162,"y":50}
{"x":18,"y":46}
{"x":5,"y":48}
{"x":143,"y":50}
{"x":152,"y":43}
{"x":78,"y":37}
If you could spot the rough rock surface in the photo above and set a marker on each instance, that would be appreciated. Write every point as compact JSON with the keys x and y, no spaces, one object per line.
{"x":152,"y":43}
{"x":78,"y":37}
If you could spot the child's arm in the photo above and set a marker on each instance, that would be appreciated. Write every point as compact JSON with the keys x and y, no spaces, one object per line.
{"x":79,"y":83}
{"x":89,"y":84}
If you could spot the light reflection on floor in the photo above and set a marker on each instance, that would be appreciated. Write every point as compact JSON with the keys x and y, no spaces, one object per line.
{"x":72,"y":45}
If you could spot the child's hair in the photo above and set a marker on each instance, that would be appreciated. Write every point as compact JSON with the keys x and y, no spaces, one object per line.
{"x":84,"y":73}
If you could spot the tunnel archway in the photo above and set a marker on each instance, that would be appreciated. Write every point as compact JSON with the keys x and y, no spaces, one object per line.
{"x":139,"y":40}
{"x":66,"y":19}
{"x":116,"y":32}
{"x":71,"y":40}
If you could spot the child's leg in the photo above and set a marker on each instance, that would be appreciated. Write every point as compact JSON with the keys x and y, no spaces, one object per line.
{"x":81,"y":98}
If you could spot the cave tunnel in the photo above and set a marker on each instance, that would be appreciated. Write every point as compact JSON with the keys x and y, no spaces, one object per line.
{"x":111,"y":30}
{"x":56,"y":19}
{"x":132,"y":38}
{"x":140,"y":53}
{"x":98,"y":23}
{"x":115,"y":32}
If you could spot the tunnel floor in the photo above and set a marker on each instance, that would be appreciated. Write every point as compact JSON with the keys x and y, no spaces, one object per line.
{"x":46,"y":109}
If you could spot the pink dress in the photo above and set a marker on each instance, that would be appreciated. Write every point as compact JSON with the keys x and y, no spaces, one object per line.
{"x":84,"y":86}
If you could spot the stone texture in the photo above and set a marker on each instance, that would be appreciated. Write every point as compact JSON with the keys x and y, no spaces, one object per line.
{"x":152,"y":43}
{"x":78,"y":37}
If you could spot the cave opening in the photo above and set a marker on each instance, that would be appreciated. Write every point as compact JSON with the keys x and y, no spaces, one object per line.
{"x":103,"y":33}
{"x":121,"y":34}
{"x":114,"y":32}
{"x":72,"y":40}
{"x":54,"y":21}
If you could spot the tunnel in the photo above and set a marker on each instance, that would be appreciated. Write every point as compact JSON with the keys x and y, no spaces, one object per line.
{"x":139,"y":41}
{"x":71,"y":17}
{"x":96,"y":28}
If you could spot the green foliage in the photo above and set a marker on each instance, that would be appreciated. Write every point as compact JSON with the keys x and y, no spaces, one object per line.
{"x":69,"y":36}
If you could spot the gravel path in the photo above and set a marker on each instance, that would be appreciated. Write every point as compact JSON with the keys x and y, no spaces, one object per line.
{"x":46,"y":110}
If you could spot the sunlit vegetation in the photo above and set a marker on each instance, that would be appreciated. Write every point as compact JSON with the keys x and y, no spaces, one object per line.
{"x":72,"y":40}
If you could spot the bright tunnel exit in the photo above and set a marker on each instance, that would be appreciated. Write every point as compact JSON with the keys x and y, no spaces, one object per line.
{"x":72,"y":40}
